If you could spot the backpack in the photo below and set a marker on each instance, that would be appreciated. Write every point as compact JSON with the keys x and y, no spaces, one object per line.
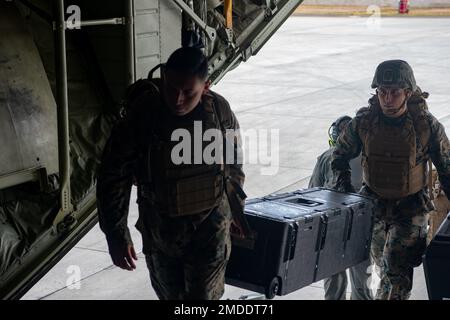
{"x":135,"y":90}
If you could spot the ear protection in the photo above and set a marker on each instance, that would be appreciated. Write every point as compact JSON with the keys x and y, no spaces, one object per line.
{"x":334,"y":131}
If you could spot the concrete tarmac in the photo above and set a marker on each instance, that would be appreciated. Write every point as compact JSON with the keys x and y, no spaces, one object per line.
{"x":312,"y":71}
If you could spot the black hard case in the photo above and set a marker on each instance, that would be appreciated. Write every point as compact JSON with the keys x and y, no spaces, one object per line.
{"x":436,"y":263}
{"x":301,"y":237}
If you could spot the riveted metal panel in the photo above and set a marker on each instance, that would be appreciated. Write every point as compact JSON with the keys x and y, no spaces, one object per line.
{"x":157,"y":33}
{"x":170,"y":21}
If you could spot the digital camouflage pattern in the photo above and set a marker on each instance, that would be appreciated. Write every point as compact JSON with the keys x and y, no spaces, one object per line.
{"x":398,"y":242}
{"x":399,"y":236}
{"x":186,"y":255}
{"x":200,"y":273}
{"x":349,"y":146}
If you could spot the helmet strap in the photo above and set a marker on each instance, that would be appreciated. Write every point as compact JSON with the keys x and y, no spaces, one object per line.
{"x":401,"y":106}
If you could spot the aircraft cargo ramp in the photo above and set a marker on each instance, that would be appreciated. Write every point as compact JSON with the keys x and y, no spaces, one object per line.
{"x":313,"y":70}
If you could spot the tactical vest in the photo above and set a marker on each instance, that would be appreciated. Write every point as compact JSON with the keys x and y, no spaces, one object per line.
{"x":394,"y":157}
{"x":179,"y":189}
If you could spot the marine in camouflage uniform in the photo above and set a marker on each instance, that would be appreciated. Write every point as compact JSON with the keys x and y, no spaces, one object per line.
{"x":184,"y":211}
{"x":397,"y":137}
{"x":336,"y":286}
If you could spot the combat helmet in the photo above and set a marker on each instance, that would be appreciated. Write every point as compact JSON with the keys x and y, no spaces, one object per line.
{"x":394,"y":73}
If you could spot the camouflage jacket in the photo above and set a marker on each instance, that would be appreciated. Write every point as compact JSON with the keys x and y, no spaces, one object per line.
{"x":323,"y":175}
{"x":118,"y":169}
{"x":349,"y":145}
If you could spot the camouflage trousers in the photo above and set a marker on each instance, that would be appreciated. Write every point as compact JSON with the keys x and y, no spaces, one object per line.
{"x":398,"y":243}
{"x":178,"y":279}
{"x":187,"y":261}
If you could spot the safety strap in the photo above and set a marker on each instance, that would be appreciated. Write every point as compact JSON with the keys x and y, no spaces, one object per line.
{"x":233,"y":190}
{"x":145,"y":171}
{"x":430,"y":179}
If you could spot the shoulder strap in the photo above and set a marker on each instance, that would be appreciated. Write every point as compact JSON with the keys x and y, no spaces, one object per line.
{"x":235,"y":194}
{"x":148,"y":122}
{"x":421,"y":125}
{"x":367,"y":117}
{"x":140,"y":87}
